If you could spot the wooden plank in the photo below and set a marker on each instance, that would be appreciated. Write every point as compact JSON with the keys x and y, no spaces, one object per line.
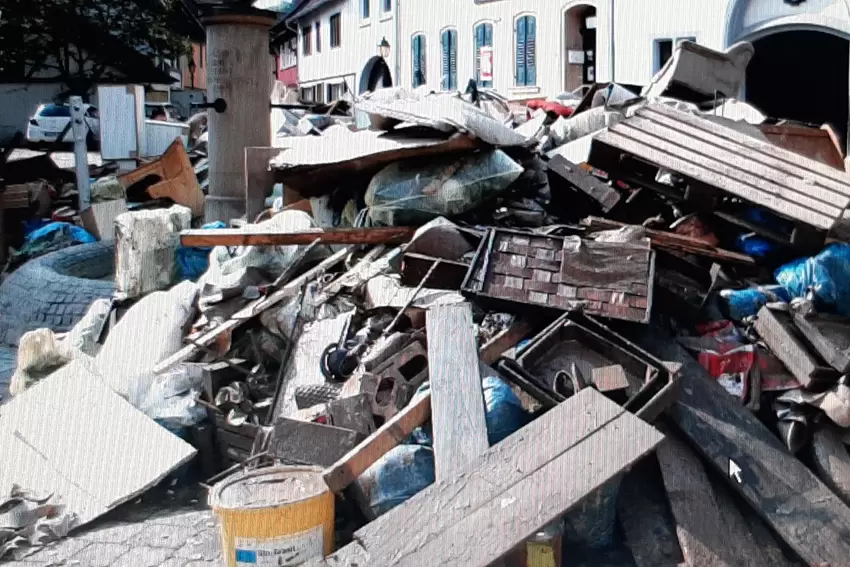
{"x":203,"y":238}
{"x":507,"y":339}
{"x":795,"y":503}
{"x":777,"y":330}
{"x":670,"y":136}
{"x":259,"y":179}
{"x":767,"y":153}
{"x":674,"y":242}
{"x":704,"y":536}
{"x":457,"y":412}
{"x":502,"y":466}
{"x":605,"y":196}
{"x":390,"y":434}
{"x":250,"y":311}
{"x":831,"y":460}
{"x":644,"y":514}
{"x":829,"y":335}
{"x":697,"y":172}
{"x":541,"y":497}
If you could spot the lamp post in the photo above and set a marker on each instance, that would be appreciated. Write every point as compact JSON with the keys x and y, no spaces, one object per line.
{"x":384,"y":48}
{"x":192,"y":72}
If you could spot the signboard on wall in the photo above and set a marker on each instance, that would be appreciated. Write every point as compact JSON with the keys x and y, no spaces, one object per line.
{"x":486,"y":66}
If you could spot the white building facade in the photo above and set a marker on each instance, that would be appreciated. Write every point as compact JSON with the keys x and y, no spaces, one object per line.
{"x":336,"y":38}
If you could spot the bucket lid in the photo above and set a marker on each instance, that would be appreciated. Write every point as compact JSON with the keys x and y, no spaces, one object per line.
{"x":272,"y":486}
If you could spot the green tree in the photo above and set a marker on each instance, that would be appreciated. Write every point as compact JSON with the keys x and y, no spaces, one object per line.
{"x":79,"y":42}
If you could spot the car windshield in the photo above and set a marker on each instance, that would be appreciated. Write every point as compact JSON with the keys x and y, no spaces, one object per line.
{"x":54,"y":111}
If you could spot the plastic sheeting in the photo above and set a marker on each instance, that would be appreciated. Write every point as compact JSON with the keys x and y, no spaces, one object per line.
{"x":826,"y":276}
{"x":415,"y":191}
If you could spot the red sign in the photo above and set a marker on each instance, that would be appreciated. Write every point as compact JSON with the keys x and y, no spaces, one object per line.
{"x":486,"y":63}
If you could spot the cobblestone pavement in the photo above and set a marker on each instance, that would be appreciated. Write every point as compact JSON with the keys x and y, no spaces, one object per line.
{"x":161,"y":530}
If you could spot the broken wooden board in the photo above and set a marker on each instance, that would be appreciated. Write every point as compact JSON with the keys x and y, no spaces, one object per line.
{"x":713,"y":156}
{"x":249,"y":312}
{"x":605,"y":196}
{"x":457,"y":400}
{"x":510,"y":492}
{"x":830,"y":337}
{"x":674,"y":242}
{"x":820,"y":144}
{"x":72,"y":436}
{"x":795,"y":503}
{"x":702,"y":527}
{"x":207,"y":237}
{"x":777,"y":330}
{"x":177,"y":178}
{"x":298,"y":442}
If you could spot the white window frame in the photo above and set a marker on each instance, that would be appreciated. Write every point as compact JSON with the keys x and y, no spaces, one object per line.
{"x":330,"y":31}
{"x":386,"y":14}
{"x":526,"y":89}
{"x":656,"y":58}
{"x":288,"y":55}
{"x":364,"y":19}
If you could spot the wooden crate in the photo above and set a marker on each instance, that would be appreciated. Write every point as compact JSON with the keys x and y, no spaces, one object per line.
{"x":608,"y":279}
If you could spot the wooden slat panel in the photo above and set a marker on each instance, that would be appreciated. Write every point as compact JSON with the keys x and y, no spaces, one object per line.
{"x":749,"y":171}
{"x":755,"y":160}
{"x":765,"y":149}
{"x":208,"y":237}
{"x":699,"y":173}
{"x":806,"y":514}
{"x":457,"y":401}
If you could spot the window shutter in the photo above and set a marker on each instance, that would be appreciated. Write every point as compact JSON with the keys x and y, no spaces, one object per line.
{"x":445,"y":46}
{"x":419,"y":60}
{"x":415,"y":60}
{"x":520,"y":51}
{"x":423,"y":54}
{"x":479,"y":43}
{"x":488,"y":41}
{"x":531,"y":51}
{"x":453,"y":60}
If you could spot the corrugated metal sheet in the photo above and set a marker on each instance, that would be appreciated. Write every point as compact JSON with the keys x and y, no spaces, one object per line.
{"x":715,"y":155}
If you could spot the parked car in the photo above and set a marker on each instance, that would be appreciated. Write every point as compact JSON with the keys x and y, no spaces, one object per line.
{"x":164,"y":111}
{"x":51,"y":123}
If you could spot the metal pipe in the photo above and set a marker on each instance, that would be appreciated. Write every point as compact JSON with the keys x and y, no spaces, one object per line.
{"x":611,"y":35}
{"x":397,"y":81}
{"x":81,"y":161}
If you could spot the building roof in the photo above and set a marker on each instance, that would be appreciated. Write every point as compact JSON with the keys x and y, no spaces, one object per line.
{"x":304,"y":7}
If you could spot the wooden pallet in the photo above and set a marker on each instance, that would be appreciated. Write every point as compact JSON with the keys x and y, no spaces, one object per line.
{"x":571,"y":274}
{"x":715,"y":161}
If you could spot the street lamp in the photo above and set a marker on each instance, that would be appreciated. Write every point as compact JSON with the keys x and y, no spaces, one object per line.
{"x":192,"y":72}
{"x":384,"y":47}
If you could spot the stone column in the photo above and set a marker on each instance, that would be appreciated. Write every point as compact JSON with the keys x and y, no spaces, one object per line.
{"x":239,"y":71}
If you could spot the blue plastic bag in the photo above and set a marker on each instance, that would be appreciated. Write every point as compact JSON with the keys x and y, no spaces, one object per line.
{"x":743,"y":303}
{"x":398,"y":476}
{"x":194,"y":262}
{"x":827,"y":275}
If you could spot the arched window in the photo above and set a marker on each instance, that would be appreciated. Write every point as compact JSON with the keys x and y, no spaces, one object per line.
{"x":448,"y":46}
{"x":419,"y":60}
{"x":484,"y":38}
{"x":525,"y":56}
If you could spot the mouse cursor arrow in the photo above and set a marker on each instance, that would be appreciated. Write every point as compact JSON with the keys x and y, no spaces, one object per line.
{"x":734,"y":471}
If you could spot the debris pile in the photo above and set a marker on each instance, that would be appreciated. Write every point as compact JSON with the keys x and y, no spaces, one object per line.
{"x":611,"y":331}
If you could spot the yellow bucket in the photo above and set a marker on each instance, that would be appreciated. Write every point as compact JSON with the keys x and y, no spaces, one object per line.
{"x":278,"y":516}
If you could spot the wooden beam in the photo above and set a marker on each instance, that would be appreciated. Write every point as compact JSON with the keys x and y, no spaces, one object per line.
{"x":701,"y":526}
{"x":208,"y":237}
{"x":457,"y":401}
{"x":250,"y":311}
{"x":798,"y":506}
{"x":349,"y":468}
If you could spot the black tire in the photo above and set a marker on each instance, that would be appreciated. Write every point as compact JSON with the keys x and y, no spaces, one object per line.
{"x":55,"y":290}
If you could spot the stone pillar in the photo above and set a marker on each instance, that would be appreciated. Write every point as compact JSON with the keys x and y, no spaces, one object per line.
{"x":239,"y":71}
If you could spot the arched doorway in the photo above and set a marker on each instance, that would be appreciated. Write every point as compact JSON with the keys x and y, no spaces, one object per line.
{"x":801,"y":75}
{"x":375,"y":74}
{"x":579,"y":46}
